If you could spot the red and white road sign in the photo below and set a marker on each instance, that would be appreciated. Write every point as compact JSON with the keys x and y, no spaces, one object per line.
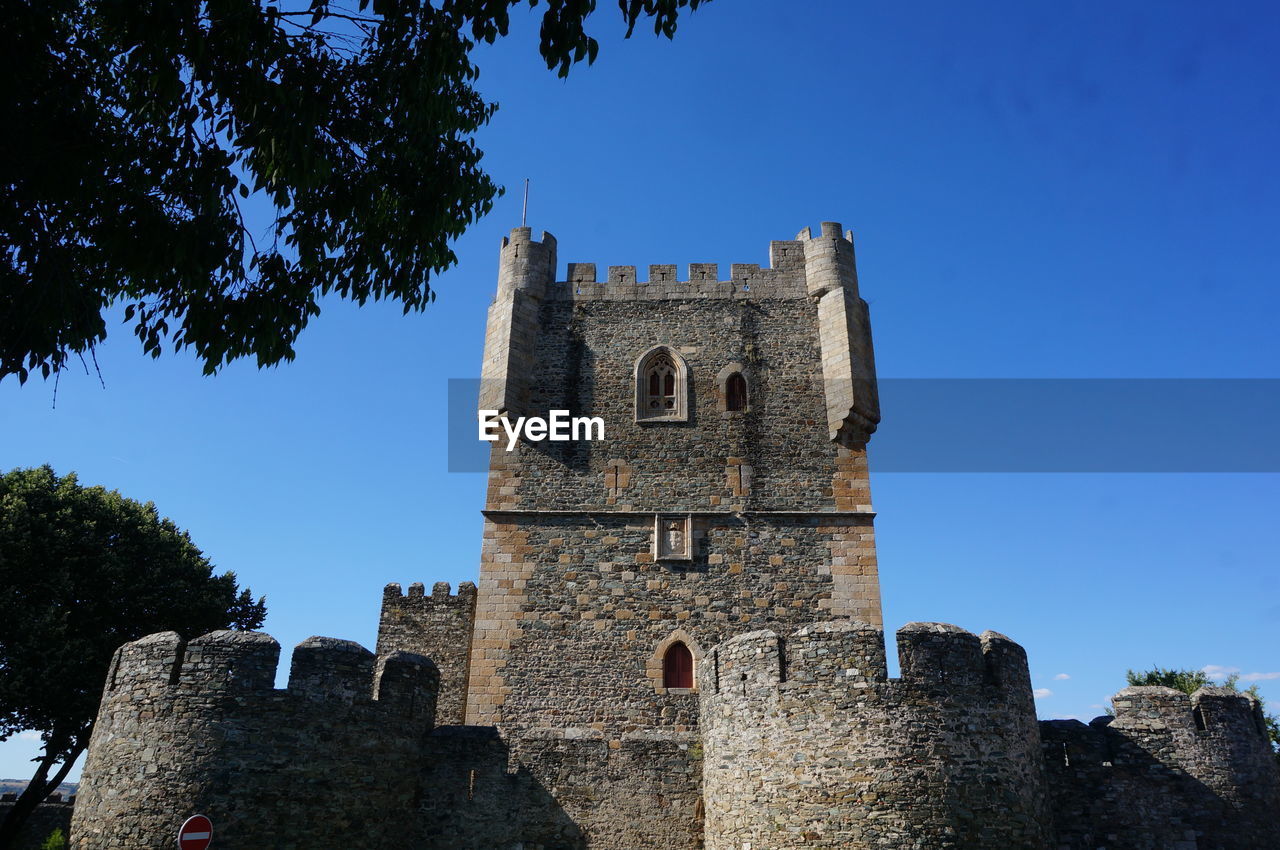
{"x":196,"y":833}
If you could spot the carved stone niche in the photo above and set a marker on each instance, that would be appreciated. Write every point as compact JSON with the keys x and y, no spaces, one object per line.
{"x":673,"y":537}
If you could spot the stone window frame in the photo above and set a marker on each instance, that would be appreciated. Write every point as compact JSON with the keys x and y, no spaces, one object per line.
{"x":654,"y":666}
{"x":681,"y":411}
{"x":722,"y":388}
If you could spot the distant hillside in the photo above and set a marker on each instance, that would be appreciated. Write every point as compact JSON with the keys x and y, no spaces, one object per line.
{"x":16,"y":786}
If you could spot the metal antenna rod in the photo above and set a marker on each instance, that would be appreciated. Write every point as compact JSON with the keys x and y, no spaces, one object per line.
{"x":524,"y":211}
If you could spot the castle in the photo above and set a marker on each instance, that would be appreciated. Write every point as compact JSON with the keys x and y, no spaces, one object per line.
{"x":676,"y":640}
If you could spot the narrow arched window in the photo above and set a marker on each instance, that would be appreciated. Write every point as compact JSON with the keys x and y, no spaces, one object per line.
{"x":661,"y":397}
{"x":661,"y":385}
{"x":735,"y":392}
{"x":677,"y":667}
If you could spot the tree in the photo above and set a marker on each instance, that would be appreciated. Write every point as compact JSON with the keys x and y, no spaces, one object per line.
{"x":85,"y":570}
{"x":136,"y":131}
{"x":1189,"y":681}
{"x":57,"y":840}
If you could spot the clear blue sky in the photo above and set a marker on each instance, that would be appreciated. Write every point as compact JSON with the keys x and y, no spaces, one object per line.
{"x":1036,"y":189}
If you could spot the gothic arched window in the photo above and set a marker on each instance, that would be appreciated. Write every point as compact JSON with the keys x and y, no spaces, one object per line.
{"x":661,"y":391}
{"x":661,"y":386}
{"x":677,"y":667}
{"x":735,"y":392}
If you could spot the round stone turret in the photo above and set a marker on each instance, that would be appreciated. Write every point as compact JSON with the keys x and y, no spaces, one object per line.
{"x":199,"y":728}
{"x":808,"y":743}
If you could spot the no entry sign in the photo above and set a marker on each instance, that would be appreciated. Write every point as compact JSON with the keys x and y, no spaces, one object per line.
{"x":196,"y":833}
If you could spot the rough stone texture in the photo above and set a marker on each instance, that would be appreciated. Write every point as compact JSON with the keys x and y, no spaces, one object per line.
{"x":584,"y":607}
{"x":198,"y":728}
{"x":792,"y":735}
{"x":438,"y":626}
{"x":524,"y":266}
{"x":807,"y":742}
{"x":1168,"y":771}
{"x":781,"y":509}
{"x":568,"y":789}
{"x":53,"y":813}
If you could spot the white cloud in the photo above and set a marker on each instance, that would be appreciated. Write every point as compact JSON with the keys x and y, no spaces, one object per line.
{"x":1062,"y":677}
{"x":29,"y":735}
{"x":1259,"y":677}
{"x":1097,"y":705}
{"x":1041,"y":693}
{"x":1217,"y":672}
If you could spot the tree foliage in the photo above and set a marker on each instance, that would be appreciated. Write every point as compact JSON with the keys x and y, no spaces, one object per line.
{"x":1190,"y":681}
{"x":138,"y":134}
{"x":57,"y":840}
{"x":1187,"y":681}
{"x":85,"y":570}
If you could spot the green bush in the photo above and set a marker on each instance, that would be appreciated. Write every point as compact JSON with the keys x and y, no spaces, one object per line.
{"x":57,"y":840}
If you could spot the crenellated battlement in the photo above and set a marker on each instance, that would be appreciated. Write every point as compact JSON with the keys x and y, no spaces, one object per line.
{"x":441,"y":592}
{"x":199,"y":726}
{"x":807,"y":266}
{"x":526,"y":264}
{"x":784,"y":279}
{"x":1166,"y":765}
{"x":934,"y":657}
{"x":244,"y":664}
{"x":1207,"y":709}
{"x":437,"y":625}
{"x":947,"y":750}
{"x":818,"y":270}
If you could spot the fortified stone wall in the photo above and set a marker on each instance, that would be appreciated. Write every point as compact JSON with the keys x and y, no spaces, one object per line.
{"x":809,"y":743}
{"x":329,"y":762}
{"x":1168,"y":771}
{"x":438,"y":626}
{"x":53,"y":813}
{"x":563,"y":789}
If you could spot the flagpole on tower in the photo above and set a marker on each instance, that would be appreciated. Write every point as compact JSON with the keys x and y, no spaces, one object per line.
{"x":524,"y":211}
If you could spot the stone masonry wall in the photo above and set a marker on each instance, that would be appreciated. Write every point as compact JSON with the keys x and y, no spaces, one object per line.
{"x":568,"y":789}
{"x":808,"y":743}
{"x":1168,"y":771}
{"x":329,"y":763}
{"x":53,"y":813}
{"x":572,"y":603}
{"x":585,"y":361}
{"x":438,"y":626}
{"x":586,"y":608}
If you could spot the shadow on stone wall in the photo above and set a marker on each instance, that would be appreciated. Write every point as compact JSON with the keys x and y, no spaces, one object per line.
{"x":471,"y":800}
{"x":52,"y":814}
{"x":1102,"y":784}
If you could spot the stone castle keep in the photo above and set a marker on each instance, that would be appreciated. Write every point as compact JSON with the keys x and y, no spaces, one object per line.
{"x":676,"y":639}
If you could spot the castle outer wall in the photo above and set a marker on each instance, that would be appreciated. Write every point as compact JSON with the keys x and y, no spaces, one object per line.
{"x":741,"y":530}
{"x":187,"y":728}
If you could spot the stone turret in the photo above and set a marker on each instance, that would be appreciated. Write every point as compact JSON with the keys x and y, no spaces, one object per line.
{"x":199,"y":728}
{"x":1168,"y":770}
{"x":526,"y":270}
{"x":844,"y":327}
{"x":439,"y":626}
{"x":808,"y":742}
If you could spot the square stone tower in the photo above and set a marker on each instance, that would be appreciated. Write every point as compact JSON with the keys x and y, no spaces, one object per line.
{"x":729,"y":493}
